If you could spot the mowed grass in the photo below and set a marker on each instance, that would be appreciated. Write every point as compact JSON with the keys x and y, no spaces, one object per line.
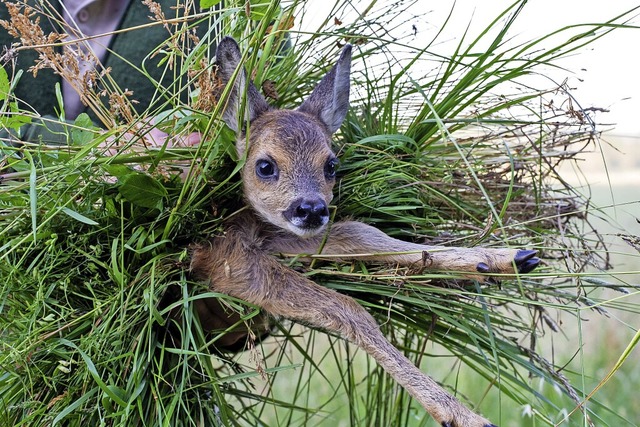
{"x":94,"y":246}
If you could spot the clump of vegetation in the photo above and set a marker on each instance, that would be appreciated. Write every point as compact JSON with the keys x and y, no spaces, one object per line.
{"x":95,"y":232}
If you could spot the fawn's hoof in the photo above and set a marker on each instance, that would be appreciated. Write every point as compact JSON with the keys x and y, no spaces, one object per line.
{"x":528,"y":266}
{"x":526,"y":260}
{"x":483,"y":267}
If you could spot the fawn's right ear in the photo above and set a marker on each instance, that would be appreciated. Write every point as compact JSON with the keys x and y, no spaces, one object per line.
{"x":329,"y":101}
{"x":228,"y":58}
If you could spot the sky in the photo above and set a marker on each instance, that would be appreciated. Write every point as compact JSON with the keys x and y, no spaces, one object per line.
{"x":604,"y":75}
{"x":609,"y":69}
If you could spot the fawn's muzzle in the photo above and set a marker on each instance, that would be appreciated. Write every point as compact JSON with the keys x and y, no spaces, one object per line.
{"x":308,"y":213}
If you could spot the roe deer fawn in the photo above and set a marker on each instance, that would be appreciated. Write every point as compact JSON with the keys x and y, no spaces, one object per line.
{"x":288,"y":176}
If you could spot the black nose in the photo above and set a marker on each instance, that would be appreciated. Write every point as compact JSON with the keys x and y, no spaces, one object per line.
{"x":308,"y":213}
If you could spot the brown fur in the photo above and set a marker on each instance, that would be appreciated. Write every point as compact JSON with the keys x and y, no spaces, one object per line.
{"x":288,"y":215}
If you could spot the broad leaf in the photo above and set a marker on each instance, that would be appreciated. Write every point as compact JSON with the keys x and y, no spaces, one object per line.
{"x":142,"y":190}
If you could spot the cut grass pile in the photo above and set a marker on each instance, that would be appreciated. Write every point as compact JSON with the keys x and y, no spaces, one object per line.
{"x":94,"y":244}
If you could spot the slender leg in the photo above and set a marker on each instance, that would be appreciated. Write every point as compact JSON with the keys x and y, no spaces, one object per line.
{"x":234,"y":265}
{"x":355,"y":240}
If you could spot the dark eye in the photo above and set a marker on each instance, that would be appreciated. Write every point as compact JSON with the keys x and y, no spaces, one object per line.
{"x":266,"y":169}
{"x":330,"y":168}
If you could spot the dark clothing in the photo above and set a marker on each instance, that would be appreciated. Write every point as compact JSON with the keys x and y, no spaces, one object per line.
{"x":132,"y":49}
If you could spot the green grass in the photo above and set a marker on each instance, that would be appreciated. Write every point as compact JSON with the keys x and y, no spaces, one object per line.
{"x":94,"y":247}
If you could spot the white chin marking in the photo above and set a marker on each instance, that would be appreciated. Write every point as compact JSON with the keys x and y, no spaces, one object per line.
{"x":304,"y":232}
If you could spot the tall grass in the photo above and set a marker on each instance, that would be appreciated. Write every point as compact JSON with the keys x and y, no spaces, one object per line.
{"x":457,"y":149}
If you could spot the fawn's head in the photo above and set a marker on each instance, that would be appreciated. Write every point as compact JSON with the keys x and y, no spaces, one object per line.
{"x":289,"y":169}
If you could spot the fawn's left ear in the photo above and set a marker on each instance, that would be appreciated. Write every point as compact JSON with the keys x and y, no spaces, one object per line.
{"x":329,"y":101}
{"x":228,"y":57}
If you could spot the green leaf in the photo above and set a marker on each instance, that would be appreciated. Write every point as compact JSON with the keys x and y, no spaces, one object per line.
{"x":58,"y":90}
{"x":14,"y":121}
{"x":143,"y":190}
{"x":72,"y":407}
{"x":10,"y":121}
{"x":33,"y":195}
{"x":83,"y":132}
{"x":107,"y":397}
{"x":77,"y":216}
{"x":115,"y":393}
{"x":259,"y":9}
{"x":119,"y":171}
{"x":4,"y":84}
{"x":206,"y":4}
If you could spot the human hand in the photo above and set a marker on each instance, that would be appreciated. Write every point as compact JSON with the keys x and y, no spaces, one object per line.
{"x":150,"y":135}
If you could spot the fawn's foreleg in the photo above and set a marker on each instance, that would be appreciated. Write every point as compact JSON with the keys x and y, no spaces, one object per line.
{"x":355,"y":240}
{"x":235,"y":266}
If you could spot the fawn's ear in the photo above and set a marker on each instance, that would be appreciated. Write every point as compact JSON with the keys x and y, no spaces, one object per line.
{"x":228,"y":58}
{"x":329,"y":101}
